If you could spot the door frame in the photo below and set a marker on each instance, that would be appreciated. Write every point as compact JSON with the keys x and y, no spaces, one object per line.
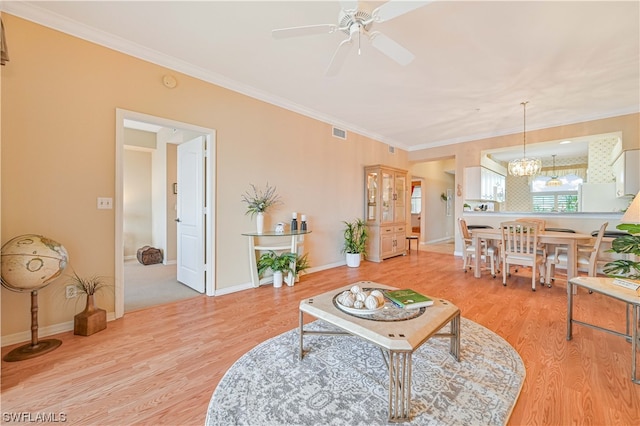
{"x":210,"y":208}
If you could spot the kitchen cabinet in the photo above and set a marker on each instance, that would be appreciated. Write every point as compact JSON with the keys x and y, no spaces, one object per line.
{"x":387,"y":204}
{"x":625,"y":169}
{"x":482,"y":184}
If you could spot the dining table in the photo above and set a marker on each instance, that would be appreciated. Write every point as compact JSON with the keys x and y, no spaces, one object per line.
{"x":570,"y":240}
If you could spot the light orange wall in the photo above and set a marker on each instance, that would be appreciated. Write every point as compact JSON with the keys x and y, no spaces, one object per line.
{"x":59,"y":97}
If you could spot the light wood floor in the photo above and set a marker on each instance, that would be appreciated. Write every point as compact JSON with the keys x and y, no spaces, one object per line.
{"x":161,"y":365}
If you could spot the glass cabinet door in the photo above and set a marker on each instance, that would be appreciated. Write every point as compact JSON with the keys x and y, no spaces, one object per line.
{"x":400,"y":208}
{"x":372,"y":192}
{"x":387,"y":197}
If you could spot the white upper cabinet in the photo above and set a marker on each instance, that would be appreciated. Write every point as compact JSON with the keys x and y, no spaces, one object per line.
{"x":482,"y":184}
{"x":626,"y":169}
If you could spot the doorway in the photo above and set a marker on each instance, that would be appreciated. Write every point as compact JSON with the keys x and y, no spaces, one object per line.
{"x":164,"y":185}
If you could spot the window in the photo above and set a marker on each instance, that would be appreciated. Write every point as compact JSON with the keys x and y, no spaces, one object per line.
{"x":416,"y":200}
{"x":556,"y":202}
{"x":563,"y":198}
{"x":570,"y":182}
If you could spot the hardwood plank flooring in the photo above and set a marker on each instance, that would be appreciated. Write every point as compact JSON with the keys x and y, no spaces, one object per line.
{"x":161,"y":365}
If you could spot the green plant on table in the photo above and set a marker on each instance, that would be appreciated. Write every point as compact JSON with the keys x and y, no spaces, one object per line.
{"x":626,"y":244}
{"x":355,"y":237}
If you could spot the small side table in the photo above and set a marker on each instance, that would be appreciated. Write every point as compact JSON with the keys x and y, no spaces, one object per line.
{"x":411,"y":238}
{"x":297,"y":240}
{"x":606,"y":287}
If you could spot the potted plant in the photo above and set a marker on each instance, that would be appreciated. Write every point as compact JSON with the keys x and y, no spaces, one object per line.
{"x":302,"y":264}
{"x":355,"y":240}
{"x":258,"y":201}
{"x":627,"y":244}
{"x":278,"y":263}
{"x":92,"y":319}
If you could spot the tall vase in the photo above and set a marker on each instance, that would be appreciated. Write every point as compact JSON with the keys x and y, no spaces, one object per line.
{"x":260,"y":223}
{"x":91,"y":320}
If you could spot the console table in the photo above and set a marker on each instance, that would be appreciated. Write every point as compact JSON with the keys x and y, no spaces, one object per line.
{"x":277,"y":243}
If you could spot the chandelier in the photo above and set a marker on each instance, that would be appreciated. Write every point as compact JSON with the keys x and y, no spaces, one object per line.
{"x":524,"y":166}
{"x":554,"y":181}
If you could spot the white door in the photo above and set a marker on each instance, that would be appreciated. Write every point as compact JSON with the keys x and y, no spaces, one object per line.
{"x":190,"y":218}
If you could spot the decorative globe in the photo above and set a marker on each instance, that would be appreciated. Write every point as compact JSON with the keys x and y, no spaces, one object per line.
{"x":30,"y":262}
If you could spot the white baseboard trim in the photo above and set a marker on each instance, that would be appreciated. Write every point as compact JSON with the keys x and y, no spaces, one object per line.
{"x":50,"y":330}
{"x":25,"y":336}
{"x":439,"y":240}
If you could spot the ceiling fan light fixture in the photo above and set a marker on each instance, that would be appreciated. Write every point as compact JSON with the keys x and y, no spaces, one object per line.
{"x":524,"y":166}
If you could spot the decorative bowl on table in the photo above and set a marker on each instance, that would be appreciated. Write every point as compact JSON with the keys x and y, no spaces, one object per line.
{"x":360,"y":301}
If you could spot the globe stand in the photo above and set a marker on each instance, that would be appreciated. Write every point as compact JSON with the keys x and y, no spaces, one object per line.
{"x":36,"y":347}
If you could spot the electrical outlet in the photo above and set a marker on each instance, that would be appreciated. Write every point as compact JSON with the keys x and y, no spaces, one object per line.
{"x":105,"y":203}
{"x":71,"y":291}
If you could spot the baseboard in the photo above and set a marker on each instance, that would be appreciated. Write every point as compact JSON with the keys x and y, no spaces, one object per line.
{"x":439,"y":240}
{"x":25,"y":336}
{"x":50,"y":330}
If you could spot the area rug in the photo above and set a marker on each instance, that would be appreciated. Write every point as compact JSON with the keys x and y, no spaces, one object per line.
{"x":343,"y":380}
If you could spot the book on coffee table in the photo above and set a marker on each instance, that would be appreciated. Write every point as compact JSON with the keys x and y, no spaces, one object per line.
{"x":627,"y":283}
{"x":408,"y":299}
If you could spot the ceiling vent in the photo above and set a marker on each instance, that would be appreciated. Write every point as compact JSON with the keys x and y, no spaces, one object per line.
{"x":339,"y":133}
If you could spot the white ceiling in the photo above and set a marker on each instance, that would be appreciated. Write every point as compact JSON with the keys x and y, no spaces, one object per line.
{"x":475,"y":61}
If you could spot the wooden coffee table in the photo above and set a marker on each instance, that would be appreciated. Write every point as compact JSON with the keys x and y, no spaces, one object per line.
{"x":397,"y":332}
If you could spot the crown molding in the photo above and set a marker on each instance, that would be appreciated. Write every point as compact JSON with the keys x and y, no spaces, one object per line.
{"x":33,"y":13}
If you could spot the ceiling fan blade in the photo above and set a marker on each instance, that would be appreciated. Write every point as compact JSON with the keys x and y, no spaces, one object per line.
{"x":339,"y":57}
{"x":393,"y":9}
{"x":349,"y":4}
{"x":304,"y":31}
{"x":390,"y":48}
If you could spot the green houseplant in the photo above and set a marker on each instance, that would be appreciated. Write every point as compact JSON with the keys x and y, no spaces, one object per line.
{"x":627,"y":244}
{"x":92,"y":319}
{"x":278,"y":263}
{"x":302,"y":264}
{"x":355,"y":241}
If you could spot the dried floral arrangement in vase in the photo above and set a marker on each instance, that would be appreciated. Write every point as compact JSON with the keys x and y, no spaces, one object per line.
{"x":92,"y":319}
{"x":258,"y":201}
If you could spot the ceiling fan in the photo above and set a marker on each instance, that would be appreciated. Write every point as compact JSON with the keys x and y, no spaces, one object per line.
{"x":355,"y":22}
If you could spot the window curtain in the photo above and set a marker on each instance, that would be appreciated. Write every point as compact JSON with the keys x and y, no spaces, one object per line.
{"x":581,"y":172}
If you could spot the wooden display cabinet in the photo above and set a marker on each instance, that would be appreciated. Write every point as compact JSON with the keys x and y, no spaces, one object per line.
{"x":386,"y":211}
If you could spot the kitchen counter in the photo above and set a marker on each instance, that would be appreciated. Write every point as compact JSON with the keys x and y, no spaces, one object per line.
{"x":584,"y":222}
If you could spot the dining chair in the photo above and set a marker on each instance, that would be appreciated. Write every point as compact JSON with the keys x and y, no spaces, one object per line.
{"x":540,"y":222}
{"x":488,"y":252}
{"x":520,"y":247}
{"x":587,"y":257}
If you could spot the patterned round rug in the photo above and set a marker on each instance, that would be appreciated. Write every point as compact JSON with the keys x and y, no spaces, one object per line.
{"x":343,"y":380}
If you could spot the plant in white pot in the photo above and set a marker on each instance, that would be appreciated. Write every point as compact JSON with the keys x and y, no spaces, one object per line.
{"x":258,"y":201}
{"x":278,"y":263}
{"x":355,"y":240}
